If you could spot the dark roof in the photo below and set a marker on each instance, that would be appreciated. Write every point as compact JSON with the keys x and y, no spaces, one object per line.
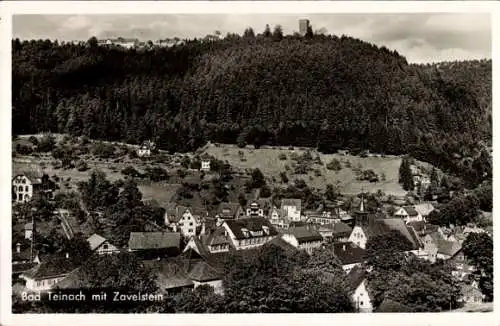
{"x":304,"y":234}
{"x":408,"y":232}
{"x":251,"y":224}
{"x":291,"y":202}
{"x":419,"y":226}
{"x":348,"y":253}
{"x":278,"y":241}
{"x":231,"y":208}
{"x":170,"y":274}
{"x":34,"y":176}
{"x":355,"y":277}
{"x":410,"y":210}
{"x":341,"y":228}
{"x":202,"y":272}
{"x":154,"y":240}
{"x":51,"y":269}
{"x":22,"y":267}
{"x":449,"y":248}
{"x":218,"y":237}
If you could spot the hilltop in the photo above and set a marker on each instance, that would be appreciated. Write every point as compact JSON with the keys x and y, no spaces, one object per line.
{"x":323,"y":92}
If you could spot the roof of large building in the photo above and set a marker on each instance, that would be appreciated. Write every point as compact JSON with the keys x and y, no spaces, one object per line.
{"x":170,"y":274}
{"x":448,"y":248}
{"x":51,"y":269}
{"x":291,"y":202}
{"x":379,"y":227}
{"x":341,"y":228}
{"x":154,"y":240}
{"x":252,"y":224}
{"x":304,"y":234}
{"x":348,"y":253}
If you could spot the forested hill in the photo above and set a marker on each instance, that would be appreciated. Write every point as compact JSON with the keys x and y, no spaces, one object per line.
{"x":322,"y":91}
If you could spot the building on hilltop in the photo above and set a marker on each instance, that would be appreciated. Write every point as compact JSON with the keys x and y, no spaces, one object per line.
{"x":255,"y":210}
{"x":291,"y":207}
{"x":304,"y":25}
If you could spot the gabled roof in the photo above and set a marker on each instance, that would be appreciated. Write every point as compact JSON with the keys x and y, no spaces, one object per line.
{"x":95,"y":240}
{"x":231,"y":208}
{"x":169,"y":274}
{"x":410,"y":210}
{"x":218,"y":237}
{"x":34,"y":176}
{"x":278,"y":241}
{"x":448,"y":248}
{"x":22,"y":267}
{"x":341,"y":228}
{"x":291,"y":202}
{"x":28,"y":226}
{"x":202,"y":272}
{"x":348,"y":253}
{"x":419,"y":226}
{"x":355,"y":277}
{"x":304,"y":234}
{"x":51,"y":269}
{"x":251,"y":224}
{"x":154,"y":240}
{"x":406,"y":231}
{"x":424,"y":209}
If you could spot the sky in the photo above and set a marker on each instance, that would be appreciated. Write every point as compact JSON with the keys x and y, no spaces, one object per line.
{"x":422,"y":37}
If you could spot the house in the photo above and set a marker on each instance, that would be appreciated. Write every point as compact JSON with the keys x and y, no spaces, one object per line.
{"x":203,"y":274}
{"x":229,"y":211}
{"x":291,"y":208}
{"x":25,"y":185}
{"x":278,"y":218}
{"x":325,"y":217}
{"x":254,"y":210}
{"x":470,"y":294}
{"x":46,"y":275}
{"x":408,"y":214}
{"x":349,"y":255}
{"x":28,"y":230}
{"x":101,"y":245}
{"x":205,"y":163}
{"x":146,"y":149}
{"x":151,"y":245}
{"x":341,"y":232}
{"x":23,"y":260}
{"x":186,"y":220}
{"x":218,"y":241}
{"x":249,"y":232}
{"x":438,"y":247}
{"x":370,"y":225}
{"x":360,"y":297}
{"x":171,"y":276}
{"x":303,"y":238}
{"x":424,"y":209}
{"x":462,"y":267}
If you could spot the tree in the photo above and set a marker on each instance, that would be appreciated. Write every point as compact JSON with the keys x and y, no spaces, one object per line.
{"x":98,"y":192}
{"x":385,"y":251}
{"x":78,"y":248}
{"x":405,"y":175}
{"x":334,"y":165}
{"x":257,"y":179}
{"x":242,"y":200}
{"x":267,"y":31}
{"x":278,"y":33}
{"x":309,"y":33}
{"x":249,"y":33}
{"x":478,"y":248}
{"x":283,"y":177}
{"x":265,"y":191}
{"x":46,"y":143}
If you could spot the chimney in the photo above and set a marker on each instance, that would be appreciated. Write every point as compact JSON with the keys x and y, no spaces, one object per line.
{"x":18,"y":247}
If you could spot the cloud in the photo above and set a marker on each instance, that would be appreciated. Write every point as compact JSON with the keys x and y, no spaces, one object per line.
{"x":421,"y":37}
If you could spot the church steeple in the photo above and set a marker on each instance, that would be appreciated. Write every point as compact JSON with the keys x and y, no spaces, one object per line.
{"x":361,"y":214}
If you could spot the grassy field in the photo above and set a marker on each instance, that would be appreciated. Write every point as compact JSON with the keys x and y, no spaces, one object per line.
{"x":268,"y":161}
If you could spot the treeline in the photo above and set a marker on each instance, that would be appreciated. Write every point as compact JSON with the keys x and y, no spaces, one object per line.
{"x":320,"y":91}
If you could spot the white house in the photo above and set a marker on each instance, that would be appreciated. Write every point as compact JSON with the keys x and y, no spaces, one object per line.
{"x":291,"y":208}
{"x":303,"y":238}
{"x":185,"y":219}
{"x":28,"y":184}
{"x":101,"y":245}
{"x":28,"y":231}
{"x":46,"y":275}
{"x":349,"y":255}
{"x":146,"y":149}
{"x":360,"y":296}
{"x":255,"y":210}
{"x":205,"y":165}
{"x":278,"y":218}
{"x":408,"y":214}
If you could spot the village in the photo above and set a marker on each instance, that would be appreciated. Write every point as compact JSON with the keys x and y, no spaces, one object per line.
{"x":186,"y":248}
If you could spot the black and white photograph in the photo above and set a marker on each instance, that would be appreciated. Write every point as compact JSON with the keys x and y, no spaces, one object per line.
{"x":234,"y":163}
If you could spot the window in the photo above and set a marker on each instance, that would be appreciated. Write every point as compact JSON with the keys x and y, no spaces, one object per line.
{"x":23,"y":181}
{"x":26,"y":188}
{"x":361,"y":303}
{"x":105,"y":246}
{"x":191,"y":224}
{"x":15,"y":188}
{"x":190,"y":231}
{"x":20,"y":196}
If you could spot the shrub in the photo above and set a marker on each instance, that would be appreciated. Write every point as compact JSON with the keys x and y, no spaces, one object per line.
{"x":130,"y":171}
{"x":334,"y":165}
{"x":103,"y":150}
{"x":33,"y":140}
{"x":282,"y":156}
{"x":81,"y":166}
{"x":23,"y":150}
{"x":46,"y":143}
{"x":317,"y":173}
{"x":284,"y":177}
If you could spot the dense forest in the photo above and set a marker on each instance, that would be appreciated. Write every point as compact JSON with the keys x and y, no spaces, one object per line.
{"x":320,"y":91}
